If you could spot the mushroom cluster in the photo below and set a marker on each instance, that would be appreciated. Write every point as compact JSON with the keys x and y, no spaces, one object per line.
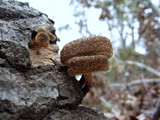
{"x":42,"y":38}
{"x":43,"y":48}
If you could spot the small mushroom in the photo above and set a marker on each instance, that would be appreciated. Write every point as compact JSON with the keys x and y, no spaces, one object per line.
{"x":43,"y":48}
{"x":44,"y":30}
{"x":42,"y":37}
{"x":87,"y":55}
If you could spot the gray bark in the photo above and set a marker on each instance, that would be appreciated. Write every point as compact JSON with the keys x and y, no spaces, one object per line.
{"x":26,"y":93}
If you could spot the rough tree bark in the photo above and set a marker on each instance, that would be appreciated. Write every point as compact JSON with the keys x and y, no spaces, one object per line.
{"x":40,"y":93}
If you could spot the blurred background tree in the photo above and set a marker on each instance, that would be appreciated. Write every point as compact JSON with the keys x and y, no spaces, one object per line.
{"x":135,"y":25}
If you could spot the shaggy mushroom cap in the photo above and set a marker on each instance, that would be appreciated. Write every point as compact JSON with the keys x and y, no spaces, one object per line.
{"x":87,"y":55}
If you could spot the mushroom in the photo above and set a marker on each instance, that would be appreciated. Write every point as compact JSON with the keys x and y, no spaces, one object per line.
{"x":42,"y":37}
{"x":44,"y":30}
{"x":87,"y":55}
{"x":43,"y":48}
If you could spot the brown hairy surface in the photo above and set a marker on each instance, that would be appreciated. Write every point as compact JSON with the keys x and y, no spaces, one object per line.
{"x":86,"y":64}
{"x":90,"y":46}
{"x":87,"y":55}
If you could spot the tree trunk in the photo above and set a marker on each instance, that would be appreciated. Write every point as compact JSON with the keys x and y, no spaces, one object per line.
{"x":33,"y":93}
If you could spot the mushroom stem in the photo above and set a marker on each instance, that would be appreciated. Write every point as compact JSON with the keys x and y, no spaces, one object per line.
{"x":86,"y":81}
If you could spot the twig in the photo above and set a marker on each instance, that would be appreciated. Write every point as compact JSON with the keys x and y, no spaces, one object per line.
{"x":108,"y":105}
{"x":156,"y":115}
{"x":135,"y":82}
{"x":141,"y":65}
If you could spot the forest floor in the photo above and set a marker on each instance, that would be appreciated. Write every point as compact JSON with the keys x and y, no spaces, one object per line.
{"x":134,"y":102}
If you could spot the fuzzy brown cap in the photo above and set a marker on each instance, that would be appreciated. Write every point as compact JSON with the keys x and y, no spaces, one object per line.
{"x":87,"y":55}
{"x":87,"y":64}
